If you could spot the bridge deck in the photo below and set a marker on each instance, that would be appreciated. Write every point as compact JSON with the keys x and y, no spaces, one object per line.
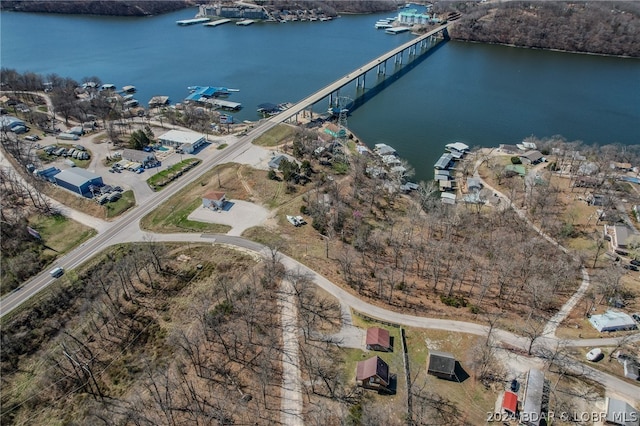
{"x":332,"y":87}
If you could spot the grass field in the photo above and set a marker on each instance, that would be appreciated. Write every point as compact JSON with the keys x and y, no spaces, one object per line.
{"x":276,"y":136}
{"x":116,"y":208}
{"x":59,"y":234}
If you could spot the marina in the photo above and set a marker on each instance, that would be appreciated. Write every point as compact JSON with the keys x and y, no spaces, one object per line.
{"x":217,"y":22}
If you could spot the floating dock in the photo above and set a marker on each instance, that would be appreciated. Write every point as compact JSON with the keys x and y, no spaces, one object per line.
{"x":245,"y":22}
{"x":217,"y":22}
{"x":397,"y":30}
{"x":194,"y":21}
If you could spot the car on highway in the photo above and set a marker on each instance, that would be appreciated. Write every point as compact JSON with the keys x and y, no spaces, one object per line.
{"x":57,"y":272}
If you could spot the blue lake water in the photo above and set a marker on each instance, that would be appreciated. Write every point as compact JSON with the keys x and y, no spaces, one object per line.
{"x":480,"y":94}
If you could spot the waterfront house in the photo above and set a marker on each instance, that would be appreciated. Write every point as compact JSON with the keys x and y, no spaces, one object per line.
{"x":532,"y":157}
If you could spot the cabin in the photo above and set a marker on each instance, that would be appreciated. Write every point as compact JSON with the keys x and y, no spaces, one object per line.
{"x":442,"y":365}
{"x":214,"y":200}
{"x":373,"y":373}
{"x":378,"y":340}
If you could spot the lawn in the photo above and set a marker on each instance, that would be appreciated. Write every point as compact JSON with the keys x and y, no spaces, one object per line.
{"x":161,"y":179}
{"x":276,"y":136}
{"x":60,"y":234}
{"x":116,"y":208}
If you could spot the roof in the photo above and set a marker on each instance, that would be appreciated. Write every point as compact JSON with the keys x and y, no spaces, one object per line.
{"x":474,"y":183}
{"x":442,"y":362}
{"x":621,"y":413}
{"x":384,"y":149}
{"x":611,"y":320}
{"x":457,"y":146}
{"x":517,"y":168}
{"x":76,"y":176}
{"x":622,"y":234}
{"x":443,"y":161}
{"x":275,"y":162}
{"x":180,"y":137}
{"x":510,"y":401}
{"x":532,"y":405}
{"x":378,"y":336}
{"x":533,"y":156}
{"x":214,"y":195}
{"x":136,"y":155}
{"x":372,"y":367}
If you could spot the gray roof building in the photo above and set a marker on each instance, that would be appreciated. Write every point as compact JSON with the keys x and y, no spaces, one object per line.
{"x":78,"y":180}
{"x":137,"y":156}
{"x":532,"y":408}
{"x":620,"y":413}
{"x":532,"y":157}
{"x":442,"y":365}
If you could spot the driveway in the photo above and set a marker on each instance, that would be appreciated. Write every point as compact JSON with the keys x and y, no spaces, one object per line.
{"x":238,"y":214}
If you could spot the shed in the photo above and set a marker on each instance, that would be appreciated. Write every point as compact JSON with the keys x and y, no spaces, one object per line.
{"x":214,"y":200}
{"x":532,"y":408}
{"x":78,"y":180}
{"x":136,"y":156}
{"x":620,"y":413}
{"x":612,"y":321}
{"x":378,"y":340}
{"x":510,"y":402}
{"x":176,"y":138}
{"x":373,"y":373}
{"x":442,"y":365}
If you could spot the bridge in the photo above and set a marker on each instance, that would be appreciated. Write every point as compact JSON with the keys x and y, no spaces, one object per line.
{"x":126,"y":228}
{"x":359,"y":75}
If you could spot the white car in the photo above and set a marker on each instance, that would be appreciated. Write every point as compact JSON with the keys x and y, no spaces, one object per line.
{"x":594,"y":354}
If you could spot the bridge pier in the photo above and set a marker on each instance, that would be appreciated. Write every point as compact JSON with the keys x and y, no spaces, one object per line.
{"x":398,"y":58}
{"x":412,"y":50}
{"x":382,"y":68}
{"x":360,"y":81}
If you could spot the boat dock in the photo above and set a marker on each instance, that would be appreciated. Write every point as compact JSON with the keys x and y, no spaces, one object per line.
{"x":245,"y":22}
{"x":194,"y":21}
{"x":397,"y":30}
{"x":217,"y":22}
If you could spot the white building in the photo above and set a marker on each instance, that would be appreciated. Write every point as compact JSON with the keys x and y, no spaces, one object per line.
{"x":612,"y":321}
{"x":177,"y":138}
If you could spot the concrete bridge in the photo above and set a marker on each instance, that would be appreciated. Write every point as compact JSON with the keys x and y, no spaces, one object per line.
{"x":414,"y":47}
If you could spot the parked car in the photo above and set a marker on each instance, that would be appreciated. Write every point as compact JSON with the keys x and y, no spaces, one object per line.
{"x":514,"y":385}
{"x":636,"y":317}
{"x":631,"y":267}
{"x":635,"y":262}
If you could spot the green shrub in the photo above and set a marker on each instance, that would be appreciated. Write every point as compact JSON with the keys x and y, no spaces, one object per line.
{"x":516,"y":160}
{"x":456,"y":302}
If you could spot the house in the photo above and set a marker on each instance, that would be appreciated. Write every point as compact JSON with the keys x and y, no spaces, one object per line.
{"x":373,"y":373}
{"x":620,"y":236}
{"x":474,"y":184}
{"x":509,"y":149}
{"x":378,"y":340}
{"x":275,"y":161}
{"x":620,"y":413}
{"x":442,"y":365}
{"x":78,"y":180}
{"x":383,"y":149}
{"x":532,"y":157}
{"x":533,"y":411}
{"x":612,"y":321}
{"x":177,"y":138}
{"x":510,"y":402}
{"x":214,"y":200}
{"x":142,"y":157}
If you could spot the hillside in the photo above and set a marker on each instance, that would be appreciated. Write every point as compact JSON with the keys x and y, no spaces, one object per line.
{"x":610,"y":28}
{"x":91,"y":7}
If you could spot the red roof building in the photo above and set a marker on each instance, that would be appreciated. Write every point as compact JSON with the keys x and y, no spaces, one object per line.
{"x":373,"y":373}
{"x":378,"y":340}
{"x":510,"y":402}
{"x":214,"y":200}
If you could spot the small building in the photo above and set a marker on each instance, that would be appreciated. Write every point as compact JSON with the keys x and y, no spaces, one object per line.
{"x":47,"y":174}
{"x":474,"y":184}
{"x":509,"y":149}
{"x":373,"y":373}
{"x":177,"y":138}
{"x":619,"y":236}
{"x":532,"y":157}
{"x":442,"y":365}
{"x":214,"y":200}
{"x":612,"y":321}
{"x":620,"y":413}
{"x":383,"y":149}
{"x":158,"y":101}
{"x":142,"y":157}
{"x":76,"y":130}
{"x":444,"y":162}
{"x":533,"y":409}
{"x":275,"y":161}
{"x":78,"y":180}
{"x":9,"y":122}
{"x":447,"y":197}
{"x":510,"y":402}
{"x":378,"y":340}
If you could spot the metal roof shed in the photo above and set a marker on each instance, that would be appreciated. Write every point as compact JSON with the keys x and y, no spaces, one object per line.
{"x":531,"y":413}
{"x":78,"y":180}
{"x":178,"y":137}
{"x":444,"y":161}
{"x":612,"y":321}
{"x":620,"y":413}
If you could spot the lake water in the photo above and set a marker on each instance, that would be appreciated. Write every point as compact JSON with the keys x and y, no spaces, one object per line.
{"x":479,"y":94}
